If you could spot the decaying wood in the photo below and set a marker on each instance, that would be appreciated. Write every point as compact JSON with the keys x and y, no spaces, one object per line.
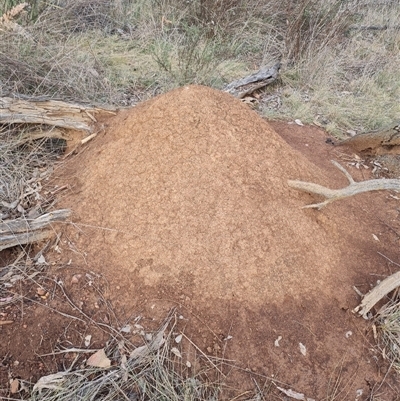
{"x":379,"y":142}
{"x":353,"y":189}
{"x":249,"y":84}
{"x":376,"y":294}
{"x":52,"y":132}
{"x":23,"y":231}
{"x":50,"y":112}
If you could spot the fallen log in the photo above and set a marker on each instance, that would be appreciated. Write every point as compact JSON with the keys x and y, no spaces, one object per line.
{"x":247,"y":85}
{"x":24,"y":231}
{"x":50,"y":112}
{"x":354,"y":188}
{"x":379,"y":142}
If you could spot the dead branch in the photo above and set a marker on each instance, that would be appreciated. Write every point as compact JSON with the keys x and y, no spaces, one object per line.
{"x":23,"y":231}
{"x":249,"y":84}
{"x":378,"y":142}
{"x":51,"y":112}
{"x":376,"y":294}
{"x":353,"y":189}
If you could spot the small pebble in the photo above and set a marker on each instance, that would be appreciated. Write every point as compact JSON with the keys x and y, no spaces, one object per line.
{"x":75,"y":278}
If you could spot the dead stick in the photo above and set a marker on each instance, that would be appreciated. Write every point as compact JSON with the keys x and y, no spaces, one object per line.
{"x":376,"y":294}
{"x":354,"y":188}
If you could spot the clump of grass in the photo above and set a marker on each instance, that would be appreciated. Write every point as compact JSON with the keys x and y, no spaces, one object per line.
{"x":353,"y":82}
{"x":46,"y":67}
{"x":387,"y":322}
{"x":339,"y":59}
{"x":314,"y":25}
{"x":25,"y":164}
{"x":154,"y":371}
{"x":104,"y":52}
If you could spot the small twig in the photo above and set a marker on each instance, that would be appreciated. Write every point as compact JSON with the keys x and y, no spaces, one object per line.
{"x":69,"y":350}
{"x":357,"y":291}
{"x":111,"y":331}
{"x":88,"y":138}
{"x":344,"y":171}
{"x":56,"y":310}
{"x":390,"y":260}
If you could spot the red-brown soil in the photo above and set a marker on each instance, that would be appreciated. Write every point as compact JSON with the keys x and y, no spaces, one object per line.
{"x":183,"y":201}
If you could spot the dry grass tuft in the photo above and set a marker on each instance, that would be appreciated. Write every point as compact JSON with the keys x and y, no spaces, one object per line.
{"x":8,"y":16}
{"x":339,"y":59}
{"x":25,"y":164}
{"x":387,"y":322}
{"x":350,"y":83}
{"x":156,"y":370}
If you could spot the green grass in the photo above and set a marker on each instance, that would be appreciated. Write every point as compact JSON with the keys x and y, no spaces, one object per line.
{"x":387,"y":322}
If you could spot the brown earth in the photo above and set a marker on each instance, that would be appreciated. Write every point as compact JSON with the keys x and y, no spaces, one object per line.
{"x":183,"y":201}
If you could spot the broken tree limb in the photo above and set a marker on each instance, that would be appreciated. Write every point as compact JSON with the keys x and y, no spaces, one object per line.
{"x":50,"y":112}
{"x":247,"y":85}
{"x":23,"y":231}
{"x":377,"y":293}
{"x":378,"y":142}
{"x":335,"y":194}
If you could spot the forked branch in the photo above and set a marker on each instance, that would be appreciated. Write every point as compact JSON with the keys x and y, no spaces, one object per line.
{"x":354,"y":188}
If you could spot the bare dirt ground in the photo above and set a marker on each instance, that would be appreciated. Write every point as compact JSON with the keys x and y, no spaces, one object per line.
{"x":183,"y":201}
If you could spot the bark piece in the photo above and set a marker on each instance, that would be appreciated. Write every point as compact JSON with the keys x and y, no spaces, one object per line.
{"x":247,"y":85}
{"x":23,"y":231}
{"x":50,"y":112}
{"x":380,"y":142}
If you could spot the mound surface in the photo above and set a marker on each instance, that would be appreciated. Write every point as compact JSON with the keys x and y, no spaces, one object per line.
{"x":185,"y":199}
{"x":194,"y":185}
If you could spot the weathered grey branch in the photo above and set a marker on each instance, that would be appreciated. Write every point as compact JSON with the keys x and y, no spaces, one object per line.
{"x":247,"y":85}
{"x":50,"y":112}
{"x":23,"y":231}
{"x":382,"y":141}
{"x":353,"y":189}
{"x":376,"y":294}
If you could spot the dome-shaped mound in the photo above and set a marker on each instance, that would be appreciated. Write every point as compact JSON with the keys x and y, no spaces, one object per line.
{"x":184,"y":200}
{"x":191,"y":188}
